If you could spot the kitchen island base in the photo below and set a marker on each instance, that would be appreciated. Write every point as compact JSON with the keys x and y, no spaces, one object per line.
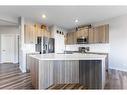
{"x":89,"y":73}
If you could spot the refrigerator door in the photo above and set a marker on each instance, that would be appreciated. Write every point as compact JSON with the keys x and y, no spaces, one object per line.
{"x":45,"y":45}
{"x":51,"y":45}
{"x":38,"y":47}
{"x":39,"y":40}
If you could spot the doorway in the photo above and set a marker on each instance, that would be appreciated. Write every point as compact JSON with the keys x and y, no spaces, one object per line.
{"x":9,"y":48}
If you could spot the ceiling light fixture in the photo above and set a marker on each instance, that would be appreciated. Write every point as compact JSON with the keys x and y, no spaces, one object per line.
{"x":76,"y":20}
{"x":43,"y":16}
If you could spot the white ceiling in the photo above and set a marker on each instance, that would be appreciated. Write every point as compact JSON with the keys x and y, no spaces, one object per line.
{"x":64,"y":16}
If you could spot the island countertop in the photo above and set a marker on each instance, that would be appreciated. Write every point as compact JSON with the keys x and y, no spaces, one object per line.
{"x":74,"y":56}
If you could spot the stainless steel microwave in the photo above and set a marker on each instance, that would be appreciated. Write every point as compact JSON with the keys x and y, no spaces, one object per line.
{"x":82,"y":40}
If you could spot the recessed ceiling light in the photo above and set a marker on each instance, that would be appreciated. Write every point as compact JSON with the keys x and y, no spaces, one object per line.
{"x":76,"y":20}
{"x":43,"y":16}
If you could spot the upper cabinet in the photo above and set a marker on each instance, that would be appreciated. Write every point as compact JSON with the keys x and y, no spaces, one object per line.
{"x":82,"y":32}
{"x":91,"y":35}
{"x":30,"y":34}
{"x":99,"y":34}
{"x":70,"y":38}
{"x":32,"y":31}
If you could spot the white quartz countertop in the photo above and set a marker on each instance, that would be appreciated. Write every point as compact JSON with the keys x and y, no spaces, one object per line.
{"x":74,"y":56}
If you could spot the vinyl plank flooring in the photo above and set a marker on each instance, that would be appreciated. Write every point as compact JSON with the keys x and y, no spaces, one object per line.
{"x":66,"y":86}
{"x":116,"y":80}
{"x":12,"y":78}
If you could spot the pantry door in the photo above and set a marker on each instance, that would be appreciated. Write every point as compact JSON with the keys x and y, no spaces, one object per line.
{"x":7,"y":48}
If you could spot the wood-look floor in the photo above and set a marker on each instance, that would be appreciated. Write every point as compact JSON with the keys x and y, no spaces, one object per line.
{"x":67,"y":86}
{"x":12,"y":78}
{"x":116,"y":80}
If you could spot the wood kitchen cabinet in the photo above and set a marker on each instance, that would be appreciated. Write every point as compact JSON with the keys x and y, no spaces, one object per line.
{"x":75,"y":37}
{"x":70,"y":38}
{"x":83,"y":32}
{"x":39,"y":31}
{"x":99,"y":34}
{"x":65,"y":39}
{"x":96,"y":35}
{"x":104,"y":33}
{"x":30,"y":34}
{"x":46,"y":33}
{"x":91,"y":36}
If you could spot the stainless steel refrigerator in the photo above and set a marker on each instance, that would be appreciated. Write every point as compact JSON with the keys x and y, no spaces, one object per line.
{"x":45,"y":45}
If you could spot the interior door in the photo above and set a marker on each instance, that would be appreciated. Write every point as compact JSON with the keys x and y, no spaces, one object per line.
{"x":7,"y":48}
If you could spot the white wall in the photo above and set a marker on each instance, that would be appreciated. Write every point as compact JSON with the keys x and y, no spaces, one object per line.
{"x":118,"y":42}
{"x":10,"y":30}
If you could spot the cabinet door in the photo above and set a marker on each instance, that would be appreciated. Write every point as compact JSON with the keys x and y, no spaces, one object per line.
{"x":91,"y":36}
{"x":65,"y":39}
{"x":29,"y":34}
{"x":107,"y":33}
{"x":32,"y":34}
{"x":96,"y":35}
{"x":103,"y":34}
{"x":74,"y":38}
{"x":26,"y":34}
{"x":70,"y":38}
{"x":82,"y":32}
{"x":85,"y":32}
{"x":78,"y":33}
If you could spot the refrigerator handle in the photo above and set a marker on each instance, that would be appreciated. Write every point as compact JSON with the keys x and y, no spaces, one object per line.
{"x":46,"y":47}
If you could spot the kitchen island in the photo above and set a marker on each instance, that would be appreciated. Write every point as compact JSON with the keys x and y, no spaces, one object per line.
{"x":85,"y":69}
